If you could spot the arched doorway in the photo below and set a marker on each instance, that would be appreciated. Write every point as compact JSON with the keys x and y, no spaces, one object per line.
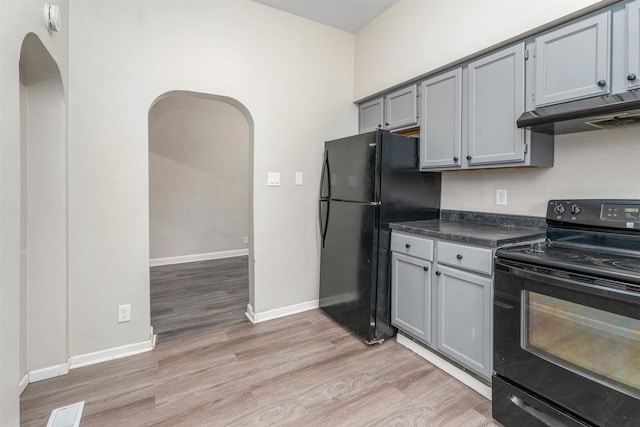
{"x":199,"y":212}
{"x":43,"y":214}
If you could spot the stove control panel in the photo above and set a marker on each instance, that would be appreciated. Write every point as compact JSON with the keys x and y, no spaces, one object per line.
{"x":621,"y":214}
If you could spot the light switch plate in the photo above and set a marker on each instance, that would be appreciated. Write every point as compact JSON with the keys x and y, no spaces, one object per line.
{"x":273,"y":179}
{"x":501,"y":197}
{"x":299,"y":178}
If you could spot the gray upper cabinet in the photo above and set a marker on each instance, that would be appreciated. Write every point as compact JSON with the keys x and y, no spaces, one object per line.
{"x":371,"y":115}
{"x":464,"y":318}
{"x":572,"y":62}
{"x":495,"y":101}
{"x":411,"y":295}
{"x":441,"y":121}
{"x":633,"y":45}
{"x":401,"y":108}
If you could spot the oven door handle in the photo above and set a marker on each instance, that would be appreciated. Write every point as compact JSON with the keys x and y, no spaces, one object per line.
{"x":567,"y":283}
{"x":535,"y":412}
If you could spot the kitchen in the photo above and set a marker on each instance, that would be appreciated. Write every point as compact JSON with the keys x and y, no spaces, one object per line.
{"x":248,"y":66}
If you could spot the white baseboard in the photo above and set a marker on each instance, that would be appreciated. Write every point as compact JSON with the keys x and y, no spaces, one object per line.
{"x":457,"y":373}
{"x":110,"y":354}
{"x":24,"y":382}
{"x":48,"y":372}
{"x":251,"y":315}
{"x":197,"y":257}
{"x":280,"y":312}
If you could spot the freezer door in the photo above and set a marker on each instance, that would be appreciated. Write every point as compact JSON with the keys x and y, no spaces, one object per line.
{"x":352,"y":168}
{"x":348,"y":268}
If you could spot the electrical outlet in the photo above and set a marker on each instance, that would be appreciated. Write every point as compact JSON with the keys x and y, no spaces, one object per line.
{"x":245,"y":240}
{"x":124,"y":313}
{"x":299,"y":178}
{"x":501,"y":197}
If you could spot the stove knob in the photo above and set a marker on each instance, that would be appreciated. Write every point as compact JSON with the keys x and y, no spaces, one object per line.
{"x":575,"y":210}
{"x":559,"y":209}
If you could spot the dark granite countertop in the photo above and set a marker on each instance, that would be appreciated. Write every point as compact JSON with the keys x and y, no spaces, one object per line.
{"x":490,"y":230}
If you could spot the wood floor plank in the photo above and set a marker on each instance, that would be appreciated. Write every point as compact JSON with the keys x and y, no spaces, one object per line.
{"x":194,"y":297}
{"x":299,"y":370}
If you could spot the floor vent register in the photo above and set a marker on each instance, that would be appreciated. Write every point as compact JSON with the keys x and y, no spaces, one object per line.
{"x":67,"y":416}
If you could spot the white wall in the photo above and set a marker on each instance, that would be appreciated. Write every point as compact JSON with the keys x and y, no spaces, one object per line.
{"x":416,"y":36}
{"x":599,"y":164}
{"x":17,"y":19}
{"x":44,"y":215}
{"x":433,"y":33}
{"x":198,"y":176}
{"x":294,"y":76}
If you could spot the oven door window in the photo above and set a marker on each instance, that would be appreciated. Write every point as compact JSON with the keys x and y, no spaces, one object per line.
{"x":602,"y":346}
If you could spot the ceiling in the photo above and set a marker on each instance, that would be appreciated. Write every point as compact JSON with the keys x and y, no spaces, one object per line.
{"x":347,"y":15}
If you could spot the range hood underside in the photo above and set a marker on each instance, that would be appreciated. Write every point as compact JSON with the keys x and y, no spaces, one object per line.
{"x":582,"y":115}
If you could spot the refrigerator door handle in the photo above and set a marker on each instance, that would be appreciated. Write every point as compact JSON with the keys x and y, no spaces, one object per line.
{"x":325,"y":172}
{"x":324,"y":222}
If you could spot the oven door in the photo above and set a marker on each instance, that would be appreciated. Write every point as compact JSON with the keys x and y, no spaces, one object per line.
{"x":570,"y":339}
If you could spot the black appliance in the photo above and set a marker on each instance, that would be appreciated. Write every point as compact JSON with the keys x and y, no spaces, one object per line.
{"x":368,"y":181}
{"x":599,"y":112}
{"x":567,"y":320}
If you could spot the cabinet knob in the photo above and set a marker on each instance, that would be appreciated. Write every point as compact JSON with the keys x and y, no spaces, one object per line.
{"x":425,"y":268}
{"x":459,"y":256}
{"x":455,"y":159}
{"x":407,"y":246}
{"x":469,"y":157}
{"x":602,"y":83}
{"x":386,"y":124}
{"x":379,"y":126}
{"x":438,"y":273}
{"x":631,"y":77}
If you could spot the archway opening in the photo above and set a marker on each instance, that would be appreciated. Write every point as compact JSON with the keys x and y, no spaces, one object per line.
{"x":200,"y":213}
{"x":43,"y":214}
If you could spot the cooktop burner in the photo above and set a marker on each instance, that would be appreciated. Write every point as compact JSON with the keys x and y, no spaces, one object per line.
{"x":603,"y":262}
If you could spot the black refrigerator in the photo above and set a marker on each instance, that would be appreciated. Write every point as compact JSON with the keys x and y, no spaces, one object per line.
{"x":368,"y":181}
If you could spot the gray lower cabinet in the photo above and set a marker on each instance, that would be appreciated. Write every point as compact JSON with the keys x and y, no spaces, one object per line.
{"x":371,"y":115}
{"x":441,"y":121}
{"x":495,"y":101}
{"x":464,"y":318}
{"x":411,"y":295}
{"x":633,"y":44}
{"x":573,"y":61}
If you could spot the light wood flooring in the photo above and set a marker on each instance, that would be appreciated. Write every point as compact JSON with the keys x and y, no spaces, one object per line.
{"x":198,"y":296}
{"x":301,"y":370}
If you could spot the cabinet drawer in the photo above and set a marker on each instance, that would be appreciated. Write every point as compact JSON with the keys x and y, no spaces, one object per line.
{"x":411,"y":245}
{"x":467,"y":257}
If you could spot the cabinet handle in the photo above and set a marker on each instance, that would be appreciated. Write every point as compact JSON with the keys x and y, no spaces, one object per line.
{"x":425,"y":268}
{"x":631,"y":77}
{"x":459,"y":256}
{"x":455,"y":159}
{"x":438,"y":273}
{"x":407,"y":246}
{"x":469,"y":157}
{"x":602,"y":83}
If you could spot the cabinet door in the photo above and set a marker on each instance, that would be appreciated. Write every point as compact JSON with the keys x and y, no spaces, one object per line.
{"x":633,"y":44}
{"x":411,"y":296}
{"x":464,"y":318}
{"x":573,"y":61}
{"x":496,"y":100}
{"x":371,"y":115}
{"x":401,"y":108}
{"x":441,"y":122}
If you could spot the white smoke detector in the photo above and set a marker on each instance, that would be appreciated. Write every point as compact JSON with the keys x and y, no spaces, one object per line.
{"x":52,"y":17}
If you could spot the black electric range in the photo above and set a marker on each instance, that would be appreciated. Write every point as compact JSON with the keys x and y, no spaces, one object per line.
{"x":567,"y":320}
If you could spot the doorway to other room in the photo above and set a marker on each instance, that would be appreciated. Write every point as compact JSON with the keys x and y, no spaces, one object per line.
{"x":199,"y":208}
